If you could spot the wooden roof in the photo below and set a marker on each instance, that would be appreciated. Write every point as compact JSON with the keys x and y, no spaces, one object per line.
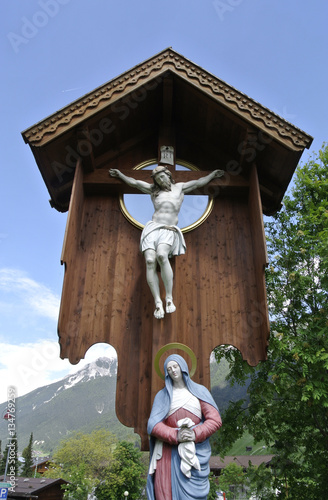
{"x":37,"y":461}
{"x":215,"y":126}
{"x":31,"y":487}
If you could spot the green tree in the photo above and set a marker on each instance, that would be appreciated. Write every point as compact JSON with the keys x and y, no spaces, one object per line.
{"x":3,"y":461}
{"x":126,"y":473}
{"x":232,"y":480}
{"x":260,"y":482}
{"x":288,"y":405}
{"x":79,"y":485}
{"x":27,"y":455}
{"x":54,"y":471}
{"x":12,"y":463}
{"x":214,"y":487}
{"x":93,"y":450}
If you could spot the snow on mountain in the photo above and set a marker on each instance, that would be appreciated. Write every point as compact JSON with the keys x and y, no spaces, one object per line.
{"x":102,"y":367}
{"x":82,"y":401}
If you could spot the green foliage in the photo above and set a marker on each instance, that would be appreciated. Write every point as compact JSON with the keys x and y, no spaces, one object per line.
{"x":79,"y":485}
{"x":3,"y":461}
{"x":213,"y":487}
{"x":93,"y":450}
{"x":126,"y":473}
{"x":97,"y":460}
{"x":27,"y":455}
{"x":54,"y":471}
{"x":12,"y":464}
{"x":232,"y":478}
{"x":288,"y":406}
{"x":261,"y":482}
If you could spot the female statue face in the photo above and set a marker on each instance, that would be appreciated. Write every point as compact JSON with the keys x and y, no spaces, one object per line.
{"x":174,"y":371}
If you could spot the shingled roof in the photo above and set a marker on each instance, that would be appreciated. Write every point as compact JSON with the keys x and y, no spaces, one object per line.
{"x":33,"y":487}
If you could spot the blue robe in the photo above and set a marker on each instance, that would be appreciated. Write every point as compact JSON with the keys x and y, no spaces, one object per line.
{"x":183,"y":488}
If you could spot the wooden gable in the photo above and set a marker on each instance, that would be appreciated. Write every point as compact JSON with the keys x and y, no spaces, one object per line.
{"x":215,"y":126}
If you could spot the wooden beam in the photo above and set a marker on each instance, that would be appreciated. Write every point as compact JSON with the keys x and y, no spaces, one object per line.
{"x":167,"y":100}
{"x":260,"y":257}
{"x":100,"y":182}
{"x":85,"y":147}
{"x":167,"y":130}
{"x":122,"y":147}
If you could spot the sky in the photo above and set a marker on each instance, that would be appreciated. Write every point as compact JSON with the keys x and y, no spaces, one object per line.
{"x":55,"y":51}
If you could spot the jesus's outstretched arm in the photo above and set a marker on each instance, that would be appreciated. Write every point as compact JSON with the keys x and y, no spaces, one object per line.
{"x":189,"y":186}
{"x":144,"y":187}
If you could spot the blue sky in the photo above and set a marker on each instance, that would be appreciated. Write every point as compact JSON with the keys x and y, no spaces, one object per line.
{"x":55,"y":51}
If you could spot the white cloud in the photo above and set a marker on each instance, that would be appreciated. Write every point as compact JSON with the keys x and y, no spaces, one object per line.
{"x":29,"y":294}
{"x":29,"y":366}
{"x":95,"y":352}
{"x":29,"y":310}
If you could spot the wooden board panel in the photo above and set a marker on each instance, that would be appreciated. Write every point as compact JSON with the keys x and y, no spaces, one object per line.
{"x":260,"y":313}
{"x":105,"y":299}
{"x":217,"y":285}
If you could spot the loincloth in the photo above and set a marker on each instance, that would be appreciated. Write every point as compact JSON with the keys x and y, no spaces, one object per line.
{"x":155,"y":234}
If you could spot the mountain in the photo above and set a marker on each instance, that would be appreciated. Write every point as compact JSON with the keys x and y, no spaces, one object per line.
{"x":80,"y":402}
{"x":221,"y":390}
{"x":86,"y":401}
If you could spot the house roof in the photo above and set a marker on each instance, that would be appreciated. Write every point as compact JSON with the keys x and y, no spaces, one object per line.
{"x":218,"y":463}
{"x":31,"y":486}
{"x":40,"y":460}
{"x":214,"y":125}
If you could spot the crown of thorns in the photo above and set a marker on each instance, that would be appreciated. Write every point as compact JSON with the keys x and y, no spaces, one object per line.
{"x":159,"y":169}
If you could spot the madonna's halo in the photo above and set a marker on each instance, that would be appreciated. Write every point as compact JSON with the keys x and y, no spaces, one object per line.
{"x":175,"y":345}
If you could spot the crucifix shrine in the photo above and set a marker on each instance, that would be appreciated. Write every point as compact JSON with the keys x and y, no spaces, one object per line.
{"x":169,"y":112}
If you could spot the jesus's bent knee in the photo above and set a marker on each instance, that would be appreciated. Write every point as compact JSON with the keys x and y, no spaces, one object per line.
{"x":162,"y":257}
{"x":150,"y":261}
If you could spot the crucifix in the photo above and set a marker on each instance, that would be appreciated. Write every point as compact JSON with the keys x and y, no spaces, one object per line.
{"x":162,"y":238}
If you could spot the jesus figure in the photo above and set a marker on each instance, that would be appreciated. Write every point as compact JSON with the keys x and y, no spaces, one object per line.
{"x":161,"y":238}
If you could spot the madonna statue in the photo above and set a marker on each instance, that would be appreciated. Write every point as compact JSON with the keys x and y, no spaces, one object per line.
{"x":183,"y":417}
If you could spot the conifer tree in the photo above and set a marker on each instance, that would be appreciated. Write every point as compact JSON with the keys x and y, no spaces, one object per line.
{"x":27,"y":455}
{"x":12,"y":465}
{"x":3,"y":461}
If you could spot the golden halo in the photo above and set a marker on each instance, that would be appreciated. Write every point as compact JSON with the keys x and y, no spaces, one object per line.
{"x":185,"y":229}
{"x":175,"y":345}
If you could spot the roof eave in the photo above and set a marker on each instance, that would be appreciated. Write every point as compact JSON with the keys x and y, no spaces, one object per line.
{"x":167,"y":60}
